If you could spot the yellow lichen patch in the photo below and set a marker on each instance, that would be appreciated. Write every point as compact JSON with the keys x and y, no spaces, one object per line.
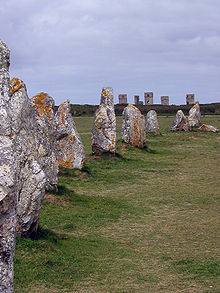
{"x":68,"y":163}
{"x":15,"y":84}
{"x":41,"y":108}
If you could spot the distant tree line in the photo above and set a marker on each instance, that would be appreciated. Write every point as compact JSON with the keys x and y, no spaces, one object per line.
{"x":89,"y":110}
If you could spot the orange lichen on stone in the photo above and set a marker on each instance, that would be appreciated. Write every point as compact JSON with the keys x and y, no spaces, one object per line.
{"x":104,"y":93}
{"x":41,"y":108}
{"x":15,"y":84}
{"x":63,"y":112}
{"x":136,"y":131}
{"x":133,"y":107}
{"x":72,"y":137}
{"x":68,"y":163}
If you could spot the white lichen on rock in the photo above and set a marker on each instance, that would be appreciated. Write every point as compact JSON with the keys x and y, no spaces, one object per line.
{"x":195,"y":116}
{"x":8,"y":179}
{"x":152,"y":125}
{"x":104,"y":127}
{"x":133,"y":126}
{"x":180,"y":122}
{"x":70,"y":150}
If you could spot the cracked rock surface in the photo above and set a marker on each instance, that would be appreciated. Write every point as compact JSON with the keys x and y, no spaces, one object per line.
{"x":133,"y":126}
{"x":152,"y":125}
{"x":195,"y":116}
{"x":104,"y":126}
{"x":34,"y":131}
{"x":180,"y":122}
{"x":8,"y":179}
{"x":70,"y":150}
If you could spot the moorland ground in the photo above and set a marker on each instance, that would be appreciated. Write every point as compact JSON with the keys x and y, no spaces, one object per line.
{"x":142,"y":221}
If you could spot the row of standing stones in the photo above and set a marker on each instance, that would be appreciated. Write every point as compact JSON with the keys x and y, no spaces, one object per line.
{"x":35,"y":141}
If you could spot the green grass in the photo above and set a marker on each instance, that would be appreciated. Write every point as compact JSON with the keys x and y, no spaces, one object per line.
{"x":143,"y":221}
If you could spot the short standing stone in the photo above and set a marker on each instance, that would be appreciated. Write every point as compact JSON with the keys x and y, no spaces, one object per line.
{"x":104,"y":127}
{"x":152,"y":125}
{"x":133,"y":126}
{"x":180,"y":122}
{"x":208,"y":128}
{"x":70,"y":150}
{"x":8,"y":179}
{"x":195,"y":116}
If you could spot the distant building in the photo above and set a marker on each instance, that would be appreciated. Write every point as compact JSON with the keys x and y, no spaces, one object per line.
{"x":122,"y":99}
{"x":164,"y":100}
{"x":148,"y":98}
{"x":136,"y":100}
{"x":190,"y":99}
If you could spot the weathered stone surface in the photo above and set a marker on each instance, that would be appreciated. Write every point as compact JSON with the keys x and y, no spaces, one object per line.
{"x":195,"y":116}
{"x":70,"y":150}
{"x":152,"y":125}
{"x":133,"y":126}
{"x":34,"y":139}
{"x":104,"y":127}
{"x":8,"y":188}
{"x":180,"y":122}
{"x":208,"y":128}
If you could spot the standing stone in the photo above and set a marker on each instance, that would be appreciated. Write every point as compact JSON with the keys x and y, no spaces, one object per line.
{"x":122,"y":99}
{"x":148,"y":98}
{"x":208,"y":128}
{"x":136,"y":100}
{"x":133,"y":126}
{"x":180,"y":122}
{"x":165,"y":100}
{"x":152,"y":125}
{"x":8,"y":188}
{"x":195,"y":116}
{"x":104,"y":127}
{"x":190,"y":99}
{"x":35,"y":143}
{"x":70,"y":150}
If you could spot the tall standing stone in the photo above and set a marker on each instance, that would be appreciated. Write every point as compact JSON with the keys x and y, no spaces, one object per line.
{"x":136,"y":100}
{"x":70,"y":150}
{"x":104,"y":126}
{"x":133,"y":126}
{"x":190,"y":99}
{"x":123,"y":99}
{"x":148,"y":98}
{"x":8,"y":188}
{"x":34,"y":128}
{"x":152,"y":125}
{"x":195,"y":116}
{"x":180,"y":122}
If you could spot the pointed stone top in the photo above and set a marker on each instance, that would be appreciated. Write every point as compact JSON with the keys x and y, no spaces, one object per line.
{"x":43,"y":105}
{"x":107,"y":97}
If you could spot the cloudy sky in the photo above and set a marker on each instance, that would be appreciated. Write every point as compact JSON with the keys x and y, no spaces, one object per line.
{"x":72,"y":48}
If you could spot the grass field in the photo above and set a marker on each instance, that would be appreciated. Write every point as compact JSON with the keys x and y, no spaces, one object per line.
{"x":144,"y":221}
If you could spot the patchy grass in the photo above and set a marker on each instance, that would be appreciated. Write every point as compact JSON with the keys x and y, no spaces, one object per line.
{"x":142,"y":221}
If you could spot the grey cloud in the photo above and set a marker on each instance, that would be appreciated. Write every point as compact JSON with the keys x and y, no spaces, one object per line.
{"x":74,"y":48}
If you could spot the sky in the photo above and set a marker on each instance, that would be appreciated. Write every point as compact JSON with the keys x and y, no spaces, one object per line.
{"x":73,"y":48}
